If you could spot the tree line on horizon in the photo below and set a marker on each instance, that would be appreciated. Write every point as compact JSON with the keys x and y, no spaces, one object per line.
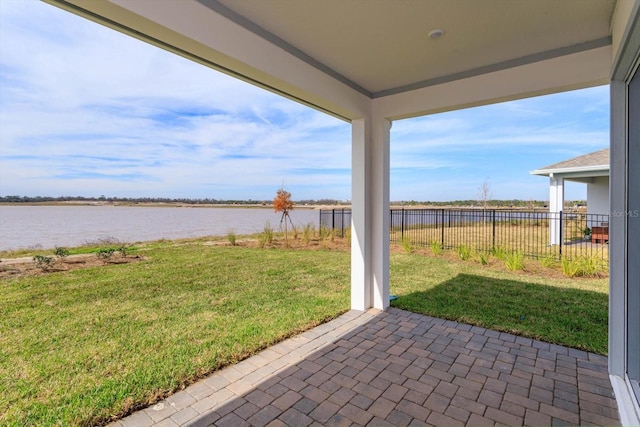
{"x":141,"y":200}
{"x":514,"y":203}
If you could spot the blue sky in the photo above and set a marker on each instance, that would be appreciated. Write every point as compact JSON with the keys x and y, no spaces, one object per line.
{"x":87,"y":111}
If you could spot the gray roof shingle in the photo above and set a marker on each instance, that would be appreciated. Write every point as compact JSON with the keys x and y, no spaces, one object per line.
{"x":597,"y":158}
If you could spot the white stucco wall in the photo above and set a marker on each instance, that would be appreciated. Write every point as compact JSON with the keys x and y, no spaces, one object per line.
{"x":598,"y":196}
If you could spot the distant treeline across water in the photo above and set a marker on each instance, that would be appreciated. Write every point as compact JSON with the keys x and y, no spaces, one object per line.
{"x":512,"y":203}
{"x":154,"y":200}
{"x":29,"y":226}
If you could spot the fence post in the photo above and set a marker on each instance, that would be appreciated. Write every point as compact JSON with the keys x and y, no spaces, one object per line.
{"x":333,"y":220}
{"x":561,"y":234}
{"x":402,"y":226}
{"x":493,"y":231}
{"x":442,"y":219}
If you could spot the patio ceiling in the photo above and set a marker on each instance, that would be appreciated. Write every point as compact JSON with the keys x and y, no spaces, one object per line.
{"x":338,"y":55}
{"x":383,"y":47}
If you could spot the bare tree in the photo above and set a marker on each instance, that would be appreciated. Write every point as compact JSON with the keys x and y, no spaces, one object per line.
{"x":484,"y":193}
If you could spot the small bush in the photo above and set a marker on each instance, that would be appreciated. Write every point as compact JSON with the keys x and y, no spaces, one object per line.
{"x":325,"y":232}
{"x":483,"y":257}
{"x":61,"y":252}
{"x":43,"y":262}
{"x":500,"y":253}
{"x":231,"y":236}
{"x":464,"y":252}
{"x":590,"y":266}
{"x":307,"y":233}
{"x":105,"y":253}
{"x":406,"y":244}
{"x":549,"y":261}
{"x":593,"y":266}
{"x":514,"y":261}
{"x":436,"y":247}
{"x":123,"y":251}
{"x":570,"y":267}
{"x":266,"y":237}
{"x":267,"y":231}
{"x":347,"y":235}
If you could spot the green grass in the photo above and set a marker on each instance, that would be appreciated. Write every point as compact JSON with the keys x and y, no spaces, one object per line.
{"x":564,"y":311}
{"x":81,"y":347}
{"x":86,"y":346}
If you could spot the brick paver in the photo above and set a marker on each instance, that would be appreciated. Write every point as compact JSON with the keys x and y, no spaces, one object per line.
{"x":402,"y":369}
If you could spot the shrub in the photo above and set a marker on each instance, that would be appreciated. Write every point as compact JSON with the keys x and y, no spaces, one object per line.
{"x":268,"y":233}
{"x":514,"y":261}
{"x":483,"y":257}
{"x":123,"y":250}
{"x":347,"y":235}
{"x":105,"y":253}
{"x":500,"y":253}
{"x":61,"y":252}
{"x":325,"y":232}
{"x":231,"y":236}
{"x":589,"y":266}
{"x":406,"y":243}
{"x":436,"y":247}
{"x":570,"y":267}
{"x":43,"y":262}
{"x":307,"y":233}
{"x":464,"y":252}
{"x":549,"y":261}
{"x":593,"y":265}
{"x":266,"y":237}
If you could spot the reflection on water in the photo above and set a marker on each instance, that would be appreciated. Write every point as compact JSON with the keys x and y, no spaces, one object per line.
{"x":50,"y":226}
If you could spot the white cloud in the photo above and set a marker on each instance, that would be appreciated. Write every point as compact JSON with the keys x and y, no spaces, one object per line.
{"x":85,"y":110}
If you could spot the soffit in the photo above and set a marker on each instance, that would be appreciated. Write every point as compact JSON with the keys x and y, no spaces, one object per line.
{"x":382,"y":47}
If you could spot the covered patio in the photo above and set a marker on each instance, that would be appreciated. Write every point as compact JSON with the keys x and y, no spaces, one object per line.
{"x":373,"y":62}
{"x":396,"y":368}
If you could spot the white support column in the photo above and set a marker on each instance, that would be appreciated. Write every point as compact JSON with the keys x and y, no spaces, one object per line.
{"x":556,"y":205}
{"x":360,"y":215}
{"x":380,"y":212}
{"x":370,"y":214}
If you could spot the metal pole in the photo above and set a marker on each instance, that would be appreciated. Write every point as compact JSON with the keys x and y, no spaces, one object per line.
{"x":333,"y":220}
{"x":561,"y":234}
{"x":493,"y":232}
{"x":442,"y":219}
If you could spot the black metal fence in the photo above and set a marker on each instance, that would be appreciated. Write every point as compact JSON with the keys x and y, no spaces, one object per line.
{"x":338,"y":220}
{"x":536,"y":234}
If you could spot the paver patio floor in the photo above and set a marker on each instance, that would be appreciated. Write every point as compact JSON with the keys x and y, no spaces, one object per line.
{"x":397,"y":368}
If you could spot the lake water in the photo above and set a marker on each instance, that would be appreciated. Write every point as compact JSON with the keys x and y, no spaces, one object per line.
{"x":51,"y":226}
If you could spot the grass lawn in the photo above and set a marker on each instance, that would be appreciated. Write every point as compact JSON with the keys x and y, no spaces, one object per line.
{"x":81,"y":347}
{"x":571,"y":312}
{"x":86,"y":346}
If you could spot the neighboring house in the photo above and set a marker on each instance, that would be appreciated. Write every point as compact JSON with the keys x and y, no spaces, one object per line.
{"x":591,"y":169}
